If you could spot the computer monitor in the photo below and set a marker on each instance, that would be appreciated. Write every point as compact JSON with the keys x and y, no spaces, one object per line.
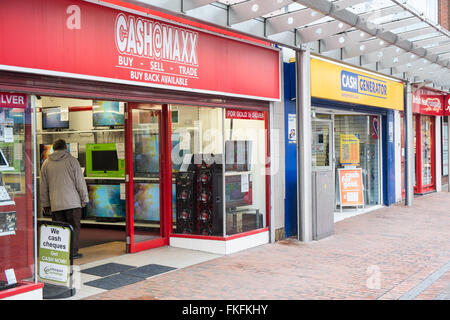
{"x":238,"y":155}
{"x":47,"y":149}
{"x":146,"y":202}
{"x":146,"y":153}
{"x":105,"y":203}
{"x":102,"y":161}
{"x":3,"y":162}
{"x":234,"y":195}
{"x":105,"y":160}
{"x":51,"y":119}
{"x":107,"y":113}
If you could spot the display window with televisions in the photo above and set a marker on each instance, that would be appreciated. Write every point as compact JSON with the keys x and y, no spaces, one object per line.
{"x":163,"y":175}
{"x":193,"y":172}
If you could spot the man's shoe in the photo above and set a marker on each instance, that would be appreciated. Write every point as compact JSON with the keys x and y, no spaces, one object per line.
{"x":77,"y":256}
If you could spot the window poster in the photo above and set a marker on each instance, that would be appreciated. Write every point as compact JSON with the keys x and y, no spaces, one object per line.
{"x":349,"y":153}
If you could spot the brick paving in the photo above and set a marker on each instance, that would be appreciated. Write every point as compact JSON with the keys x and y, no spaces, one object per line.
{"x":379,"y":255}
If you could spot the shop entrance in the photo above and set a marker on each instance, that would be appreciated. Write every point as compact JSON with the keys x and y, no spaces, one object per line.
{"x":144,"y":143}
{"x":350,"y":142}
{"x":424,"y":154}
{"x":119,"y":147}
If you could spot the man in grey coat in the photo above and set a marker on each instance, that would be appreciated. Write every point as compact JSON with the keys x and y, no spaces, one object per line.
{"x":63,"y":189}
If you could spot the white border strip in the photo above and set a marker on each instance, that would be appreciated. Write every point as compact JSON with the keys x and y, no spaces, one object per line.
{"x":221,"y":246}
{"x":128,"y":82}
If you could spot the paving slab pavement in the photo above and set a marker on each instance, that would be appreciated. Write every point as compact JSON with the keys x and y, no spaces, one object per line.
{"x":391,"y":253}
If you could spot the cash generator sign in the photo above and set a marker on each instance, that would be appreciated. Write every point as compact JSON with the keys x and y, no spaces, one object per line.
{"x":360,"y":84}
{"x":335,"y":81}
{"x":155,"y":51}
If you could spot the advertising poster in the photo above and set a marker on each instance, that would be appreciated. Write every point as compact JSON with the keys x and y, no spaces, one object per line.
{"x":54,"y":253}
{"x":292,"y":124}
{"x":351,"y":187}
{"x":349,"y":153}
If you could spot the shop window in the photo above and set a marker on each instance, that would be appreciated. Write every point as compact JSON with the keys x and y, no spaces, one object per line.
{"x":245,"y":174}
{"x":197,"y":170}
{"x":363,"y":151}
{"x":219,"y":170}
{"x":16,"y":196}
{"x":426,"y":149}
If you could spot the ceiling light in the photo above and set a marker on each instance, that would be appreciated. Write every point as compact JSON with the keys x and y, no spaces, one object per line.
{"x":255,"y":7}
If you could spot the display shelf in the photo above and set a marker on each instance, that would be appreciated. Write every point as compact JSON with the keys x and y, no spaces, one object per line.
{"x":78,"y":131}
{"x":7,"y":203}
{"x":6,"y":169}
{"x":105,"y":178}
{"x":93,"y":222}
{"x":234,"y":173}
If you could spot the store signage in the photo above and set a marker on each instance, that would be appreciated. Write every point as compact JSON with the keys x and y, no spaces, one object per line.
{"x":349,"y":147}
{"x":447,"y":105}
{"x":54,"y":253}
{"x":357,"y":83}
{"x":244,"y":114}
{"x":351,"y":187}
{"x":85,"y":40}
{"x":333,"y":81}
{"x":13,"y":100}
{"x":428,"y":104}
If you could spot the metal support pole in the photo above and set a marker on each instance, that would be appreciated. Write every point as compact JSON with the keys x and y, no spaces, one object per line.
{"x":409,"y":146}
{"x":304,"y":184}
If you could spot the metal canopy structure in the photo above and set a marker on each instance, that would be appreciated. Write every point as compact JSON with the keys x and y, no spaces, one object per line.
{"x":386,"y":36}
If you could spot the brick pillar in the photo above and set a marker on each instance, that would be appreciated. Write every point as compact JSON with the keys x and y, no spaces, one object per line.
{"x":444,"y":13}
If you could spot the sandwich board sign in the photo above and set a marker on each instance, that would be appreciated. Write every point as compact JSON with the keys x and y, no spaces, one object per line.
{"x":54,"y":253}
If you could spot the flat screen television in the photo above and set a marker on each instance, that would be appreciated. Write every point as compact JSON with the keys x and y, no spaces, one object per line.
{"x":238,"y":155}
{"x":146,"y":202}
{"x":233,"y":192}
{"x":107,"y":113}
{"x":105,"y":203}
{"x":47,"y":149}
{"x":146,"y":153}
{"x":51,"y":119}
{"x":102,"y":161}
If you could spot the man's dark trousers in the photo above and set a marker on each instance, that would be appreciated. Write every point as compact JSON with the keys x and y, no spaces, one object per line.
{"x":72,"y":217}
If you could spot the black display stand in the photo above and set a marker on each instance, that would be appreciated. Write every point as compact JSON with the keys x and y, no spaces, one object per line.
{"x":53,"y":291}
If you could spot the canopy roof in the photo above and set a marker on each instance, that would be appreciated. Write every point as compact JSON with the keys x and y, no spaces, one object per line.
{"x":386,"y":36}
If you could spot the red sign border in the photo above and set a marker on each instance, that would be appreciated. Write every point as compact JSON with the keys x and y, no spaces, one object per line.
{"x":275,"y":96}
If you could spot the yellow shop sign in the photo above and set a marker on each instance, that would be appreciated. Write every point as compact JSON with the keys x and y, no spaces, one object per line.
{"x":336,"y":82}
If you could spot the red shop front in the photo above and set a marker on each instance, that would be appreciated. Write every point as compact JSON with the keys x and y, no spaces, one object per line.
{"x":189,"y":138}
{"x":428,"y":109}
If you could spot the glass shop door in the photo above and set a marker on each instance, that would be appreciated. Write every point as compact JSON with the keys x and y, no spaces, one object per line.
{"x":144,"y":167}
